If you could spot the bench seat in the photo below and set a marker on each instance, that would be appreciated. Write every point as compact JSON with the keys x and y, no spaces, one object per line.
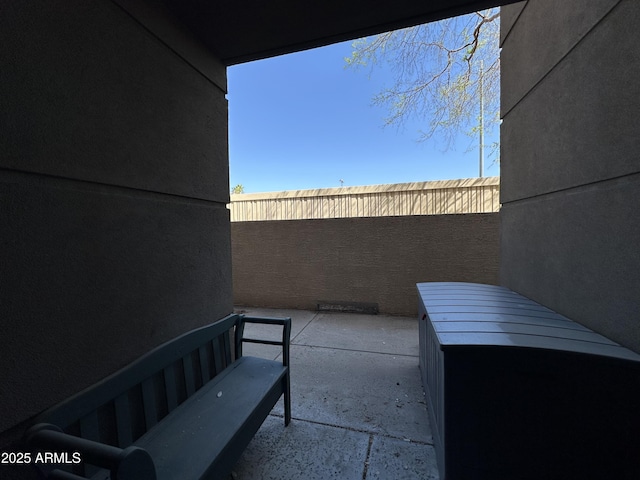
{"x":183,"y":443}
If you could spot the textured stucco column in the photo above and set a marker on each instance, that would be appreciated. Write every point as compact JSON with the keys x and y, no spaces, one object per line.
{"x":113,"y":186}
{"x":570,"y":165}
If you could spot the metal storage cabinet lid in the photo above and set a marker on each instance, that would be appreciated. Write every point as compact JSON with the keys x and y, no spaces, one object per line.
{"x":472,"y":314}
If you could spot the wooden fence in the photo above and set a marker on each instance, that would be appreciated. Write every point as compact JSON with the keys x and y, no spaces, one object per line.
{"x":475,"y":195}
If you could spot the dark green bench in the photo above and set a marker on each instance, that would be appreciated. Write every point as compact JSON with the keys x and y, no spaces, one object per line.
{"x":186,"y":410}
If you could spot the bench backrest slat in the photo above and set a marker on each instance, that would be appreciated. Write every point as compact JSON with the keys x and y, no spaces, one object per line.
{"x":226,"y":348}
{"x":222,"y":348}
{"x":204,"y":364}
{"x":189,"y":377}
{"x":218,"y":355}
{"x":90,"y":429}
{"x":137,"y":412}
{"x":149,"y":403}
{"x":171,"y":387}
{"x":123,"y":420}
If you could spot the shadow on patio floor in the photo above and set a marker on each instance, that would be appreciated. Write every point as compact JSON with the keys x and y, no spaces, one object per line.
{"x":358,"y":407}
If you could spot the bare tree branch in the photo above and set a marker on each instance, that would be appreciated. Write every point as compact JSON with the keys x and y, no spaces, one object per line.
{"x":436,"y":69}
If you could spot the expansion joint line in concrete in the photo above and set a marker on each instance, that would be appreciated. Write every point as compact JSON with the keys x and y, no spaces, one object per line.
{"x":366,"y":460}
{"x":304,"y":328}
{"x":354,"y":429}
{"x":354,"y":350}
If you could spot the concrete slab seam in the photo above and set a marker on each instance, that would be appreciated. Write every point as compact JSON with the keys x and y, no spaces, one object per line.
{"x":366,"y":459}
{"x":304,"y":328}
{"x":353,"y":429}
{"x":355,"y":350}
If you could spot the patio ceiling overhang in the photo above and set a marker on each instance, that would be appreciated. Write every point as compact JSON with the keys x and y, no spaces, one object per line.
{"x":238,"y":31}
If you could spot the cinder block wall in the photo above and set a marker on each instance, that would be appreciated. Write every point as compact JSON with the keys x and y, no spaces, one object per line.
{"x":113,"y":189}
{"x":296,"y":263}
{"x":570,"y":164}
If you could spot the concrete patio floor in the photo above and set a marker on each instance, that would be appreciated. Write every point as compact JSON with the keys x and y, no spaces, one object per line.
{"x":358,"y":408}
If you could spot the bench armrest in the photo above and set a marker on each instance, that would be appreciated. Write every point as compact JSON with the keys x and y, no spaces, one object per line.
{"x":286,"y":334}
{"x":131,"y":463}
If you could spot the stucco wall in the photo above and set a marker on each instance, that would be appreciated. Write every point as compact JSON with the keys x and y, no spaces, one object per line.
{"x":113,"y":186}
{"x":296,"y":263}
{"x":570,"y":165}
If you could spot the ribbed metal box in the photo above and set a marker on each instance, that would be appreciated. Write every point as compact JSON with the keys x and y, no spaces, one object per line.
{"x":518,"y":391}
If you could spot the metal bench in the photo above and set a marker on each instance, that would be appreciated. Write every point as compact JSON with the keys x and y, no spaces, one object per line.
{"x":186,"y":410}
{"x":518,"y":391}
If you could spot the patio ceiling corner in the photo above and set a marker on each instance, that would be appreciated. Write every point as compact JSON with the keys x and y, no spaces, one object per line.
{"x":241,"y":31}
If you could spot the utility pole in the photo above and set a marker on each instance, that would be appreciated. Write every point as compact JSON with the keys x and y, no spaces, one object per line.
{"x":481,"y":120}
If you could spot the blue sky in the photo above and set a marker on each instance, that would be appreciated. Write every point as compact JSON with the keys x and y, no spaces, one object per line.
{"x":303,"y":121}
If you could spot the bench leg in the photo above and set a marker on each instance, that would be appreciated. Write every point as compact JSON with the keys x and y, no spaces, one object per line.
{"x":287,"y":400}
